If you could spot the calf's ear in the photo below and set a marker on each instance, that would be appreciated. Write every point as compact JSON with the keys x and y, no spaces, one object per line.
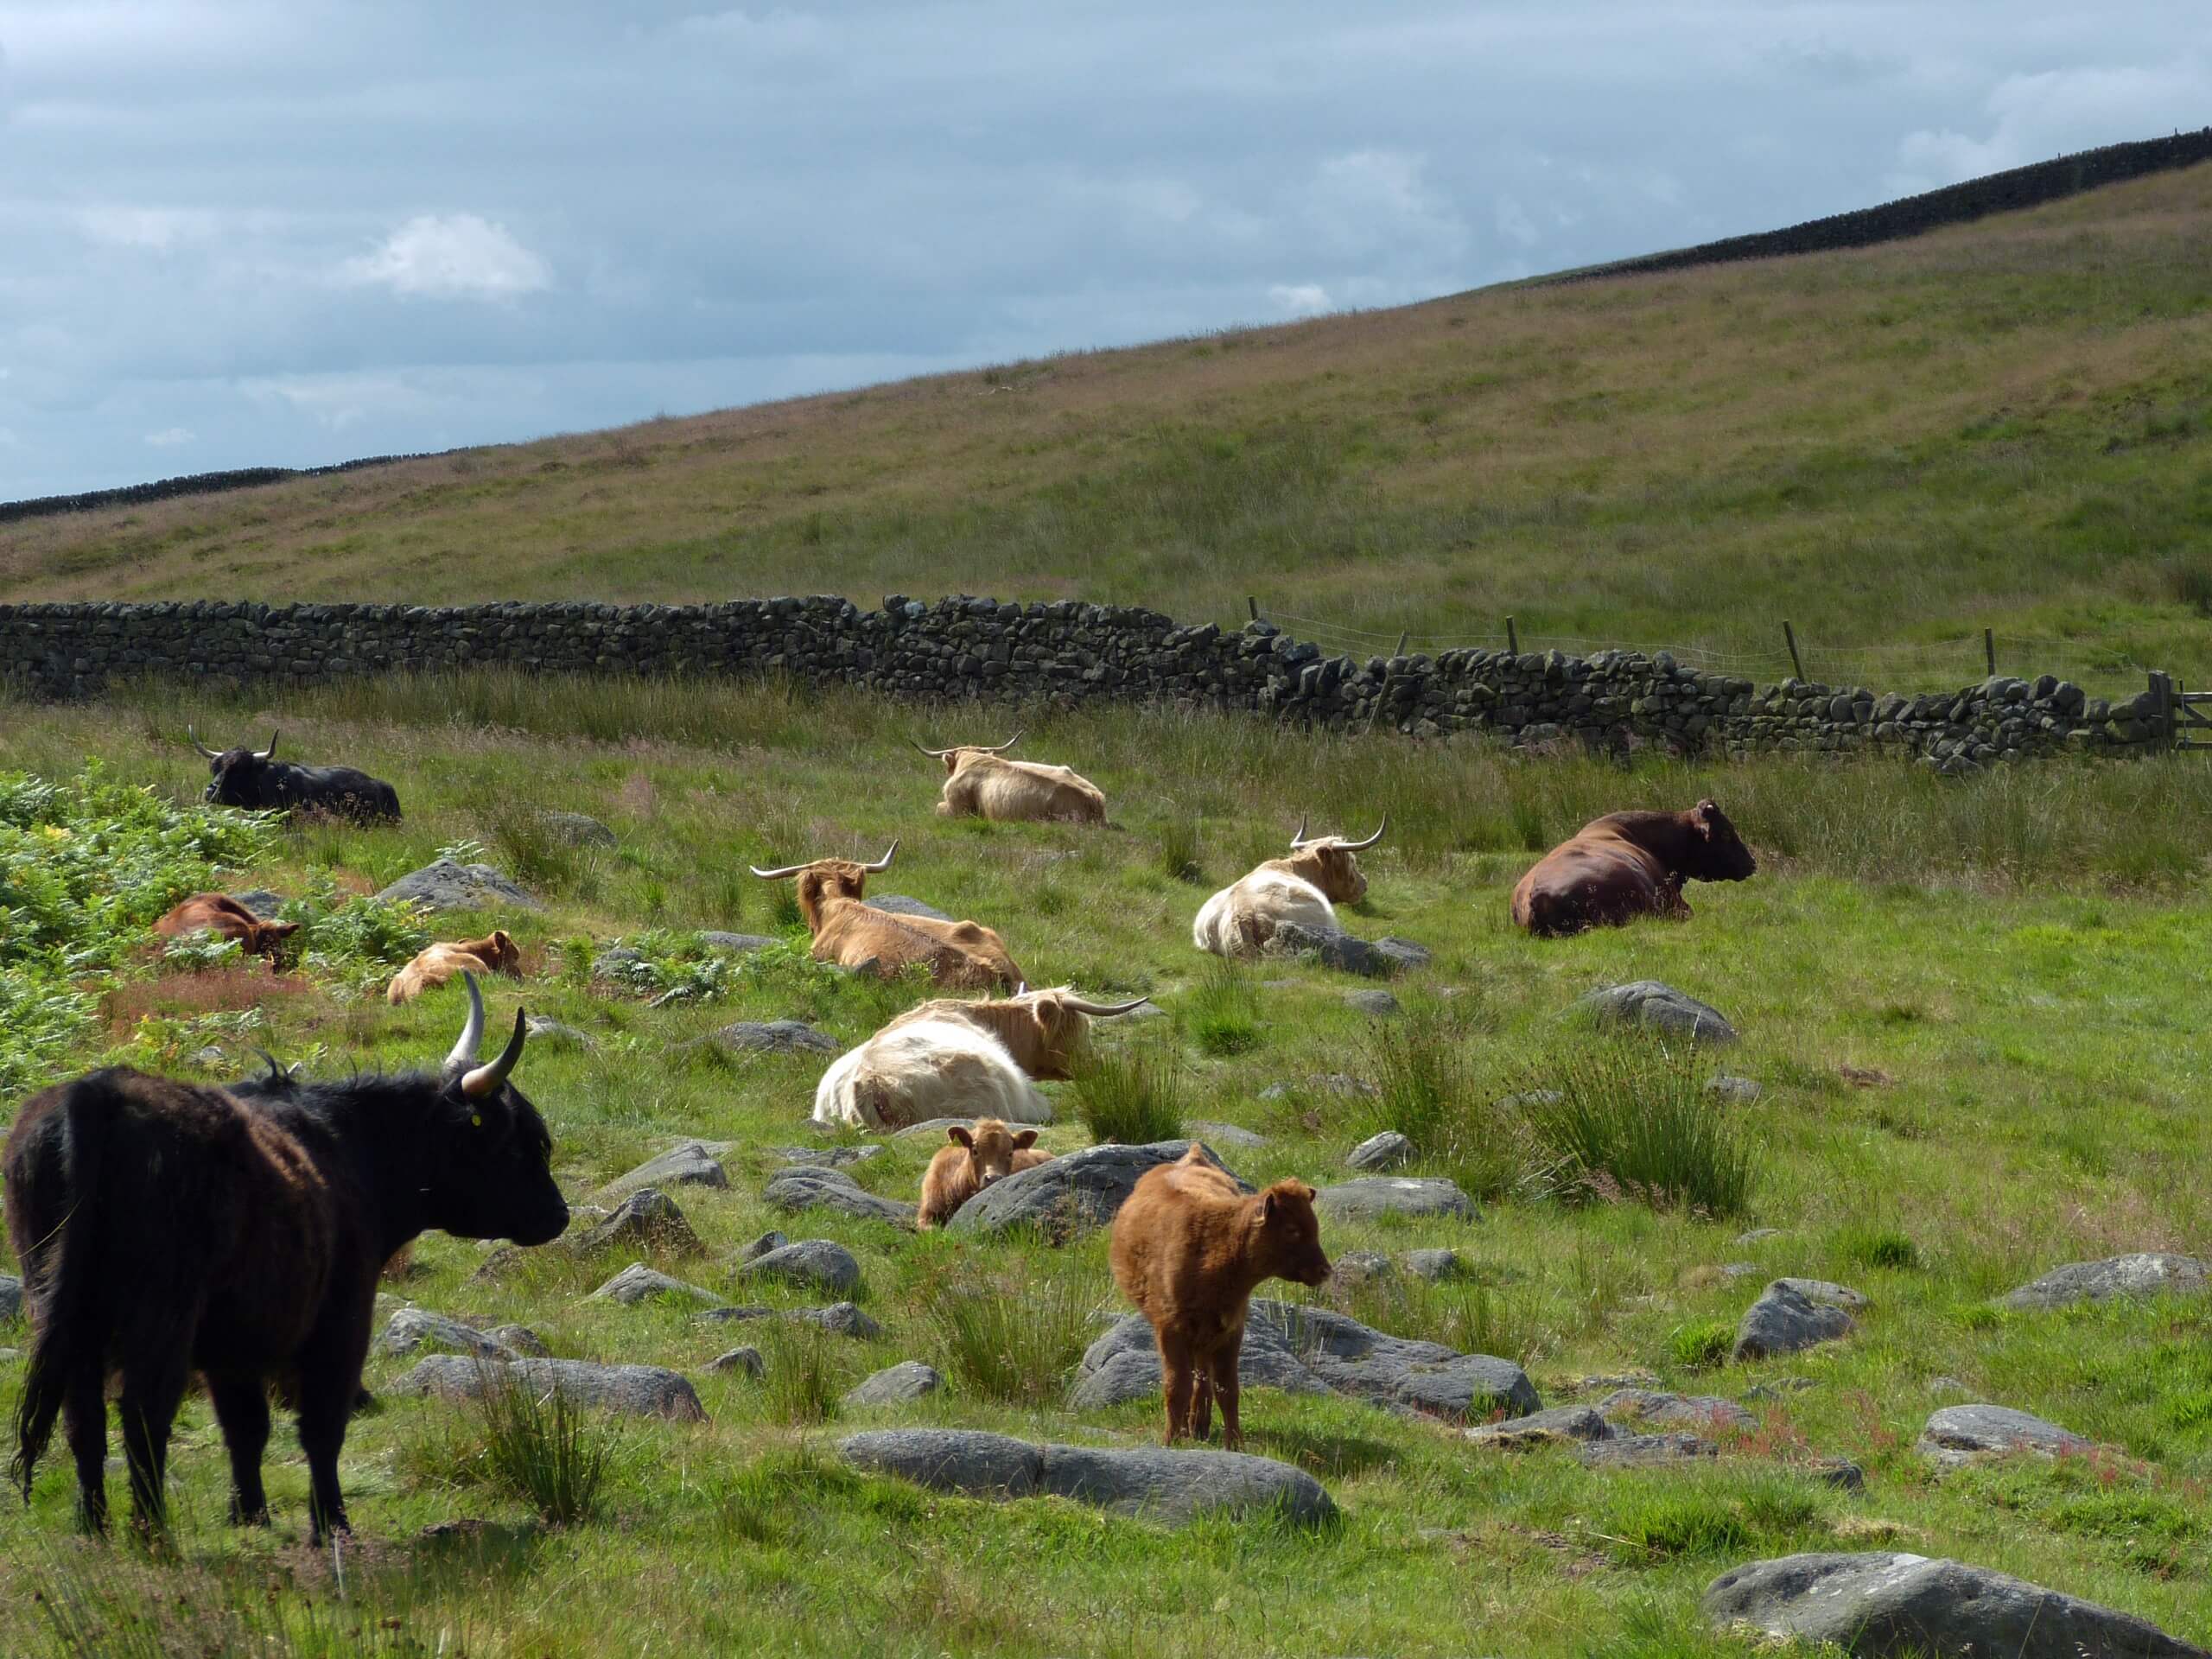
{"x":960,"y":1137}
{"x":1026,"y":1139}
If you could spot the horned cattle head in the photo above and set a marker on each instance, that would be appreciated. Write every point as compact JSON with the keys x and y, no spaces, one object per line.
{"x":967,"y":754}
{"x":1716,"y":852}
{"x":1049,"y":1027}
{"x":496,"y":951}
{"x":991,"y":1147}
{"x":826,"y":878}
{"x":1329,"y":863}
{"x":238,"y":777}
{"x":493,"y":1169}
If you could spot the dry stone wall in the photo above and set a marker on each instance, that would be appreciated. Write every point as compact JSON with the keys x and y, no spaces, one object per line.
{"x":1065,"y":653}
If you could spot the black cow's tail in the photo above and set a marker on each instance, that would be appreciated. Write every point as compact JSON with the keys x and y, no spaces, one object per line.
{"x":71,"y":1323}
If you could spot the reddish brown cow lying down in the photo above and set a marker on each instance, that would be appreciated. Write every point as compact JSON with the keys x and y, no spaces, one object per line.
{"x":1629,"y":864}
{"x":436,"y":966}
{"x":217,"y":913}
{"x":1188,"y":1248}
{"x":974,"y":1160}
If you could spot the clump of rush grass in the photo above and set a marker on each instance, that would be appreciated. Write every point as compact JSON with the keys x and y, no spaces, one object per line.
{"x":804,"y":1378}
{"x":543,"y":1446}
{"x":1013,"y":1336}
{"x":1132,"y":1092}
{"x":1176,"y":844}
{"x":1429,"y":1090}
{"x":1222,"y":1014}
{"x":1507,"y":1321}
{"x":1624,"y":1119}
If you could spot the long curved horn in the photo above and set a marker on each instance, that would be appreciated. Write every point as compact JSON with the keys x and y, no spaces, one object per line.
{"x":1298,"y":836}
{"x":777,"y":874}
{"x":1104,"y":1010}
{"x":1021,"y":989}
{"x":489,"y":1079}
{"x":472,"y":1033}
{"x":994,"y":748}
{"x":210,"y":753}
{"x":1361,"y":846}
{"x":934,"y":754}
{"x":268,"y":753}
{"x":883,"y":863}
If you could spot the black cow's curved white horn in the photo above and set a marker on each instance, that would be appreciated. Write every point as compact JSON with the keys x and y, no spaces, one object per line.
{"x":472,"y":1033}
{"x":1357,"y":846}
{"x":488,"y":1079}
{"x":268,"y":753}
{"x":197,"y":744}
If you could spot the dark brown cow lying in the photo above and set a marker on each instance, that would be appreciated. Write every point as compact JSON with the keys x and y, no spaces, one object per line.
{"x":1626,"y":865}
{"x":217,"y":913}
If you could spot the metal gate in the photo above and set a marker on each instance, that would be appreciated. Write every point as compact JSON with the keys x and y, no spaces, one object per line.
{"x":2186,"y":715}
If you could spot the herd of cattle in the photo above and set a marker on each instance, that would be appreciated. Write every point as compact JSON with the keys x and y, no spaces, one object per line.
{"x":166,"y":1228}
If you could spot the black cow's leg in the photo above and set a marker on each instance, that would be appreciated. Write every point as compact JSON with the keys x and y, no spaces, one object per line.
{"x":151,"y":1391}
{"x":325,"y":1404}
{"x":85,"y":1415}
{"x":242,"y":1407}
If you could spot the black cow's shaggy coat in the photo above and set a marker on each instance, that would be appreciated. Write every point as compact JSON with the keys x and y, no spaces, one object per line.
{"x":255,"y":781}
{"x":165,"y":1228}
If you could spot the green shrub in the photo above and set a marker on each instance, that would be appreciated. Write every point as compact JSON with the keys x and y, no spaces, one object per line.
{"x":1429,"y":1091}
{"x":1634,"y":1120}
{"x":1132,"y":1092}
{"x":1877,"y":1247}
{"x":805,"y":1377}
{"x":544,"y":1448}
{"x":1176,"y":843}
{"x":1701,"y":1347}
{"x":1222,"y":1014}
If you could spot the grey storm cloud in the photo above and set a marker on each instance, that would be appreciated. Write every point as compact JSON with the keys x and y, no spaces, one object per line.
{"x":241,"y":233}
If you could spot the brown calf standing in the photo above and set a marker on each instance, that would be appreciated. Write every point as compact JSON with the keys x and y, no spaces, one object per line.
{"x":974,"y":1160}
{"x":1188,"y":1249}
{"x":1629,"y":864}
{"x":219,"y":913}
{"x":494,"y":954}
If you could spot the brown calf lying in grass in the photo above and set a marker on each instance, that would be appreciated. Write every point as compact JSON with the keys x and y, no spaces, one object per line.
{"x":1188,"y":1248}
{"x":436,"y":966}
{"x":974,"y":1160}
{"x":219,"y":913}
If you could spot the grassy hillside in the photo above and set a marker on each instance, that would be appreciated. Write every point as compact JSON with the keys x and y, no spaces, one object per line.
{"x":2002,"y":425}
{"x":1973,"y":1007}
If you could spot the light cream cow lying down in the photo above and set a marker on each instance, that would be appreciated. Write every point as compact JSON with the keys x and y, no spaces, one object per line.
{"x":1304,"y":888}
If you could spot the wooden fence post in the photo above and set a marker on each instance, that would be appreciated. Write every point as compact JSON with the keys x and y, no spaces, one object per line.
{"x":2161,"y":687}
{"x":1253,"y":605}
{"x":1790,"y":638}
{"x":1512,"y":637}
{"x":1989,"y":651}
{"x":1401,"y":651}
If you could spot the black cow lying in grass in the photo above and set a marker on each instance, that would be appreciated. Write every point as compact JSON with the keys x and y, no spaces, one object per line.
{"x":165,"y":1228}
{"x":255,"y":781}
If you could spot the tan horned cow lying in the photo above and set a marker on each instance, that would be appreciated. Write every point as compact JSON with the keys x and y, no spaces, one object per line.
{"x":1629,"y":864}
{"x":495,"y":953}
{"x":1305,"y":888}
{"x":1188,"y":1249}
{"x":975,"y":1159}
{"x":949,"y":1058}
{"x":219,"y":913}
{"x":980,"y":782}
{"x":960,"y":956}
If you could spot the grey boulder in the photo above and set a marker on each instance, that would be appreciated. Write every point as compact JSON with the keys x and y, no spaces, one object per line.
{"x":1304,"y":1350}
{"x":746,"y":1360}
{"x":1675,"y":1410}
{"x":1646,"y":1451}
{"x":1434,"y":1265}
{"x":1555,"y":1426}
{"x":1388,"y":1150}
{"x":1228,"y":1134}
{"x":775,"y":1037}
{"x":1401,"y":1195}
{"x":637,"y":1282}
{"x":816,"y":1261}
{"x":1826,"y":1292}
{"x":838,"y":1320}
{"x":648,"y":1219}
{"x":1082,"y":1189}
{"x":577,"y":829}
{"x":411,"y":1329}
{"x":692,"y":1164}
{"x":1956,"y":1435}
{"x":896,"y":1385}
{"x":447,"y":885}
{"x":1662,"y":1007}
{"x":261,"y":901}
{"x":898,"y":904}
{"x":1737,"y":1091}
{"x":735,"y":944}
{"x":1172,"y":1486}
{"x":826,"y":1157}
{"x":1784,"y":1320}
{"x":637,"y":1390}
{"x":803,"y":1188}
{"x":1332,"y":948}
{"x":1375,"y":1005}
{"x":2145,"y":1273}
{"x":12,"y":1298}
{"x":1883,"y":1603}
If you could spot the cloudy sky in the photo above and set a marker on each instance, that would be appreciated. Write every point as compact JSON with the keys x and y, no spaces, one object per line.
{"x":235,"y":233}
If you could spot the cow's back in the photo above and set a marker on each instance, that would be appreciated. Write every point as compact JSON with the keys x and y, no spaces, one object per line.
{"x":1240,"y":921}
{"x":1594,"y":877}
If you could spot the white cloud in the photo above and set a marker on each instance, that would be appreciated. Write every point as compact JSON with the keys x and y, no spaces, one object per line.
{"x":1299,"y":299}
{"x":455,"y":256}
{"x":2035,"y":116}
{"x":169,"y":437}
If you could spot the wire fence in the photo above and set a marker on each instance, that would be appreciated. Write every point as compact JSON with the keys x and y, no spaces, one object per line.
{"x":1943,"y":664}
